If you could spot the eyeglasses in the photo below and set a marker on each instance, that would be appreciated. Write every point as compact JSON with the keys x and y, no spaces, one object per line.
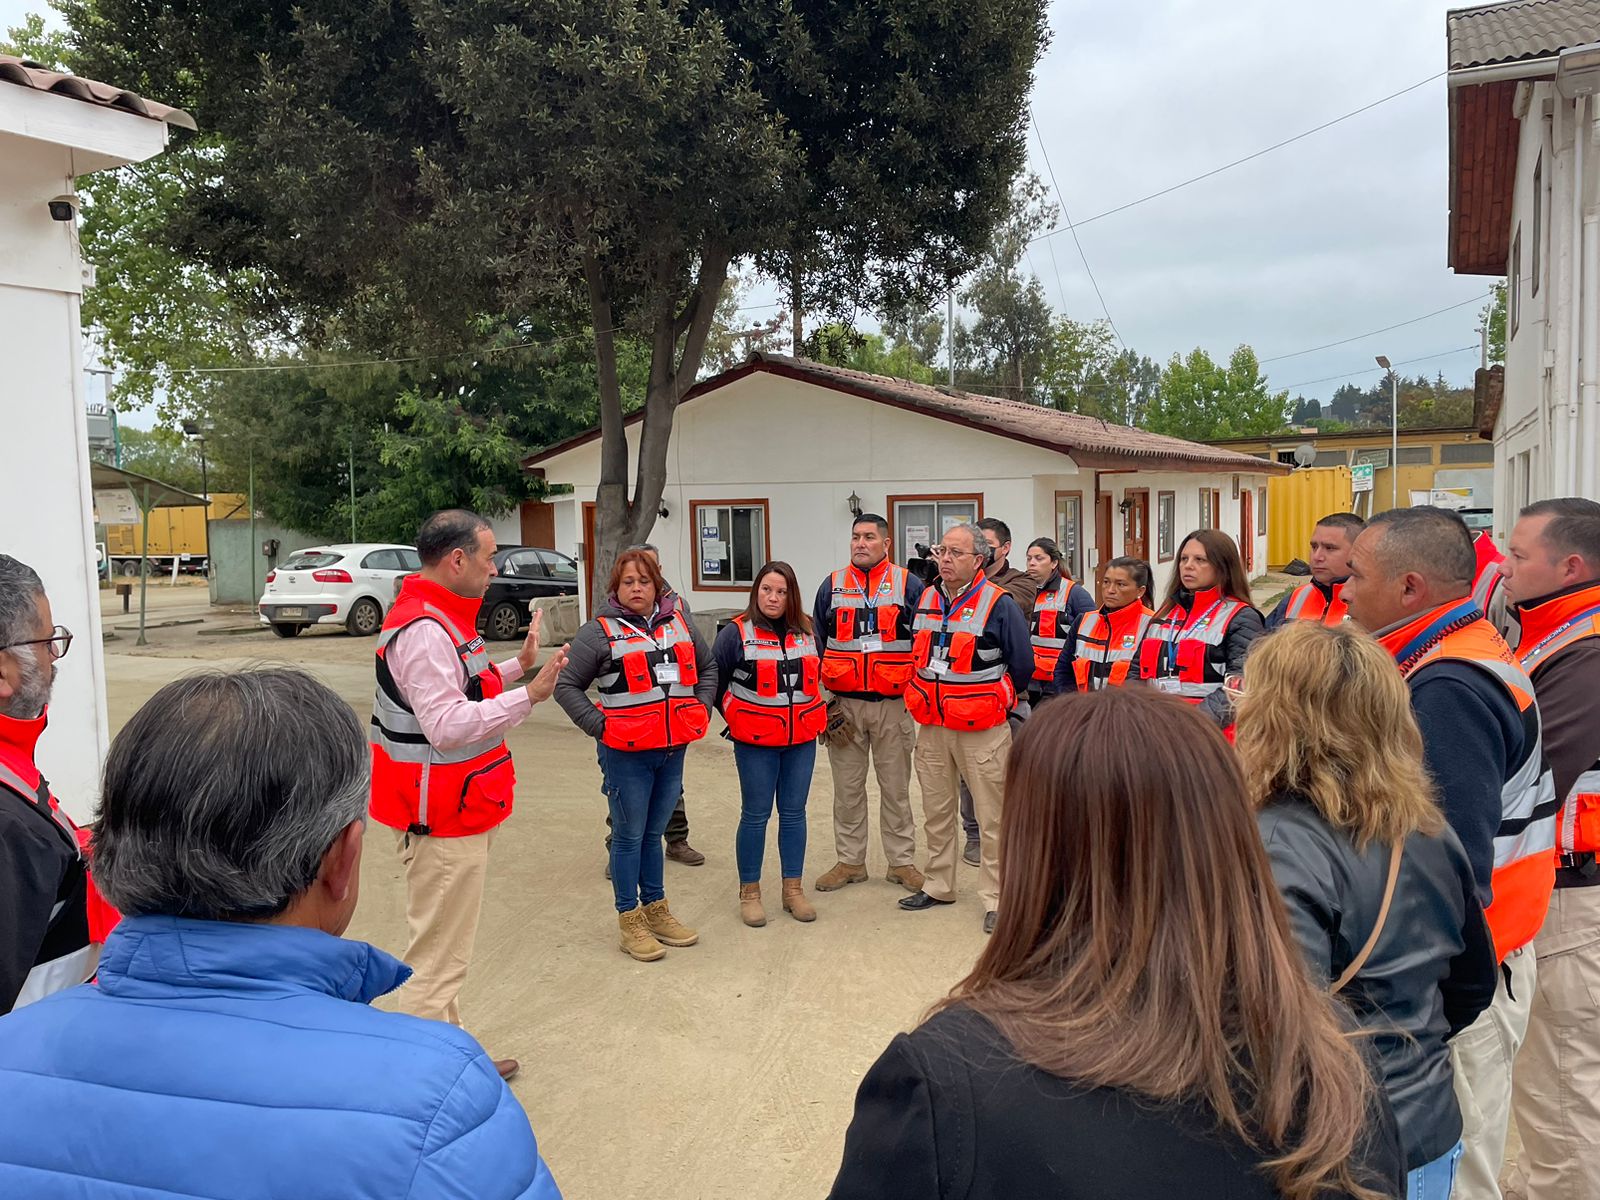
{"x":59,"y":642}
{"x":940,"y":553}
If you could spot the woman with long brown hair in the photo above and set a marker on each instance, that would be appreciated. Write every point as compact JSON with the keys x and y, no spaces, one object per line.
{"x":770,"y":691}
{"x":1140,"y":1025}
{"x":1380,"y":893}
{"x":1200,"y":635}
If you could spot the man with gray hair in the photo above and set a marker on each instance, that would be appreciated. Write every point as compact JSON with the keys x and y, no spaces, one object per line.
{"x":228,"y":1047}
{"x":1411,"y":575}
{"x":44,"y":923}
{"x":442,"y":776}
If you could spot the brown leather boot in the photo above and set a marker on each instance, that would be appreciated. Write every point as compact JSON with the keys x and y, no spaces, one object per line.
{"x":637,"y":939}
{"x":795,"y":902}
{"x":668,"y":930}
{"x":750,"y":910}
{"x":907,"y":877}
{"x":841,"y":874}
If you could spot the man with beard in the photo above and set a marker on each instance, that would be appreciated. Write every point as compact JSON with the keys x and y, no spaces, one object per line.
{"x":44,"y":922}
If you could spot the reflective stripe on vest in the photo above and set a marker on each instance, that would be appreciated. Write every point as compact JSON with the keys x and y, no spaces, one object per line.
{"x":1576,"y":618}
{"x":1525,"y":842}
{"x":762,"y":645}
{"x":1044,"y":627}
{"x":647,"y":689}
{"x":960,"y":683}
{"x":1307,"y":603}
{"x":848,"y":594}
{"x":1096,"y":662}
{"x":1165,"y":637}
{"x":65,"y":957}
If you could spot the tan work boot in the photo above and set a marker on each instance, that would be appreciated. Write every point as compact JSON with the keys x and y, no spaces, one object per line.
{"x":668,"y":929}
{"x":750,"y":910}
{"x":841,"y":874}
{"x":795,"y":902}
{"x":636,"y":937}
{"x":907,"y":877}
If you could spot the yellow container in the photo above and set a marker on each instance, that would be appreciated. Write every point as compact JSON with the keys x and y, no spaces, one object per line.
{"x":1294,"y":505}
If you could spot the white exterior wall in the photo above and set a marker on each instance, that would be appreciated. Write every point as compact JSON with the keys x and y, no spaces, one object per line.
{"x":1534,"y":437}
{"x":804,"y":448}
{"x":507,"y":528}
{"x":46,"y":513}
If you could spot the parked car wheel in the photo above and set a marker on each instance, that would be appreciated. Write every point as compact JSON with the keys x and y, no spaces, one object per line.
{"x":287,"y":630}
{"x":505,"y":619}
{"x":365,"y":619}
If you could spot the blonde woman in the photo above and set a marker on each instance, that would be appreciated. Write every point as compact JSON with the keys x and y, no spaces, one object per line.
{"x":1333,"y":757}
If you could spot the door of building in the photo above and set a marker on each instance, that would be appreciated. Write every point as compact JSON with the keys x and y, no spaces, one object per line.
{"x":1136,"y":524}
{"x":1247,"y":529}
{"x":1102,"y":539}
{"x":588,"y":558}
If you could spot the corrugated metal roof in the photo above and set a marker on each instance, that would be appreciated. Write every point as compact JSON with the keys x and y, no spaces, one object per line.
{"x":1090,"y":441}
{"x":1522,"y":29}
{"x":29,"y":74}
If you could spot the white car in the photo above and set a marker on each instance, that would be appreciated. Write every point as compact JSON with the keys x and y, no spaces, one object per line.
{"x":350,"y":585}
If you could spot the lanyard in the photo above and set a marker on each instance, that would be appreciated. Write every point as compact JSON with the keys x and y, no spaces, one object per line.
{"x":1456,"y":616}
{"x":954,"y":606}
{"x":1586,"y":615}
{"x":644,"y":633}
{"x":1167,"y":663}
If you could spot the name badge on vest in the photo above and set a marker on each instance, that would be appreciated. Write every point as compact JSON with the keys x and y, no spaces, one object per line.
{"x":872,"y":645}
{"x":1166,"y":685}
{"x":666,"y":673}
{"x":938,"y":666}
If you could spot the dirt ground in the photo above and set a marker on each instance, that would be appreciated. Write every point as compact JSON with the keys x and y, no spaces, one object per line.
{"x":729,"y":1068}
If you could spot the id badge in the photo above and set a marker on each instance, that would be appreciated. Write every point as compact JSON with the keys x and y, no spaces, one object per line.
{"x":1166,"y":684}
{"x":938,"y":666}
{"x":872,"y":645}
{"x":666,"y":673}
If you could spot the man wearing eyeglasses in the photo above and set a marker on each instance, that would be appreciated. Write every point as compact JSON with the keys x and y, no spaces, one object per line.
{"x":44,"y":883}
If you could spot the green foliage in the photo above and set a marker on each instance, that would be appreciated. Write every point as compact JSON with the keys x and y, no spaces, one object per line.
{"x":1424,"y":403}
{"x":48,"y":47}
{"x":1200,"y":399}
{"x":1006,"y":345}
{"x":168,"y":456}
{"x":873,"y":353}
{"x":1493,"y":315}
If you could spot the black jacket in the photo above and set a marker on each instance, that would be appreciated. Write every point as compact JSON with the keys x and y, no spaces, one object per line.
{"x":950,"y":1111}
{"x":1430,"y":975}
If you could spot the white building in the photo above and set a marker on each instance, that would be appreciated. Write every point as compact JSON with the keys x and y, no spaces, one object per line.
{"x":765,"y":461}
{"x":1525,"y":204}
{"x":54,"y":128}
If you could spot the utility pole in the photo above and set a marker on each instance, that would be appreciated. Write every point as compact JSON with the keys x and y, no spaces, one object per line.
{"x":950,"y":335}
{"x":352,"y":481}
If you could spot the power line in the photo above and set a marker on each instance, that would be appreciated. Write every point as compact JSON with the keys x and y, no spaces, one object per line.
{"x":1372,"y":333}
{"x":1228,"y":166}
{"x":1062,"y":200}
{"x":1373,"y":370}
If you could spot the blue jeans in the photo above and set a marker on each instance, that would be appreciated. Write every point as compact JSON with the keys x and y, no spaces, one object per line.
{"x":641,"y":786}
{"x":765,"y":772}
{"x":1433,"y":1181}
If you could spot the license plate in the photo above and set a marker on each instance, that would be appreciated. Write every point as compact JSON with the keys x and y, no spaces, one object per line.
{"x":291,"y":612}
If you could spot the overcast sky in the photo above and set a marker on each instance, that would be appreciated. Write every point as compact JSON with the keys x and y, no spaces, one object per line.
{"x":1338,"y":234}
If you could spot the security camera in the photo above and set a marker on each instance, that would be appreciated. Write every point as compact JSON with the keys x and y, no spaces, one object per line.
{"x":63,"y":208}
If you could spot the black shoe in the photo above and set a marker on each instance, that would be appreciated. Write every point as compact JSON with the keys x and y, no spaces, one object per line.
{"x":988,"y":922}
{"x":920,"y":901}
{"x":972,"y":856}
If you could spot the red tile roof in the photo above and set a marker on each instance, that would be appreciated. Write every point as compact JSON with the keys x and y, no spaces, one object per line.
{"x":29,"y":74}
{"x":1091,"y":442}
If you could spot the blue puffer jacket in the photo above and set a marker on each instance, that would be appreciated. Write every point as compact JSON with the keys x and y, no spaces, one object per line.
{"x":243,"y":1062}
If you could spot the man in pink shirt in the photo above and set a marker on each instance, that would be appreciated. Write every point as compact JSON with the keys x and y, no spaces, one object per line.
{"x":442,"y":776}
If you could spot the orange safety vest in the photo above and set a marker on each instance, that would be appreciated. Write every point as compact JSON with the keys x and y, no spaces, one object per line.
{"x":79,"y":917}
{"x":961,"y":681}
{"x":1045,"y":626}
{"x":416,"y":786}
{"x":647,"y":692}
{"x":1548,"y":628}
{"x":1486,"y":585}
{"x":1307,"y":603}
{"x":867,"y":649}
{"x":773,"y":697}
{"x":1107,"y":641}
{"x":1524,"y":844}
{"x":1185,"y":652}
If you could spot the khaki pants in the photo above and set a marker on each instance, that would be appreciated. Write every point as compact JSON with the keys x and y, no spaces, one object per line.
{"x":1557,"y":1084}
{"x":944,"y":758}
{"x":444,"y":895}
{"x":883,"y":731}
{"x":1482,"y":1055}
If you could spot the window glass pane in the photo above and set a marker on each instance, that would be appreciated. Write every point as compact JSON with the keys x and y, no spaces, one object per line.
{"x":1466,"y":452}
{"x":1069,"y":523}
{"x":1166,"y":518}
{"x":1205,"y":508}
{"x":748,"y":544}
{"x":307,"y":560}
{"x":913,"y":522}
{"x":956,"y":512}
{"x":526,"y":565}
{"x":1332,"y":458}
{"x":559,"y":566}
{"x":1261,"y":512}
{"x":410,"y":560}
{"x":716,"y":561}
{"x":381,"y":560}
{"x":1417,"y":456}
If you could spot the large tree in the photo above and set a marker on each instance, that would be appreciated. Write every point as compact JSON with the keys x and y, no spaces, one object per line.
{"x":1201,"y":399}
{"x":1012,"y":332}
{"x":391,"y":165}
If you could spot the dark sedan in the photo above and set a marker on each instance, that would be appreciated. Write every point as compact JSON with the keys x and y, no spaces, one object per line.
{"x":526,"y":573}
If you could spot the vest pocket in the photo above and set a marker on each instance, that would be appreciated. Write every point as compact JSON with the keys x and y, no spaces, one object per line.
{"x":1586,"y":821}
{"x":641,"y":728}
{"x":919,"y":702}
{"x":758,"y":725}
{"x":810,"y":721}
{"x":888,"y":677}
{"x":486,"y":794}
{"x":973,"y":710}
{"x":842,"y":673}
{"x":687,"y":719}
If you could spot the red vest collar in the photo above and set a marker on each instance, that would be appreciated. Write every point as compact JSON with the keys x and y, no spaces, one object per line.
{"x":873,"y":578}
{"x":1124,"y":621}
{"x":1541,"y":617}
{"x":1202,"y":603}
{"x":463,"y":610}
{"x":19,"y":738}
{"x":1408,"y":640}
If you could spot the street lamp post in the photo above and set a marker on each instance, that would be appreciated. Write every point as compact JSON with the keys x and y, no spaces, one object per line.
{"x":1394,"y":432}
{"x":196,"y":431}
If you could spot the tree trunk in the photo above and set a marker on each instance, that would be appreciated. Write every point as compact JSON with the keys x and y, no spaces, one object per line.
{"x":619,"y":521}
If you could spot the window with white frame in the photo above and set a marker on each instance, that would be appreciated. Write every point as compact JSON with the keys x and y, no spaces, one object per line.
{"x":731,"y":542}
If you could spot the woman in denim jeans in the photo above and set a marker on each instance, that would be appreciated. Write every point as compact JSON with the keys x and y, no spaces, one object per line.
{"x":656,"y":682}
{"x":769,"y":690}
{"x":1333,"y":755}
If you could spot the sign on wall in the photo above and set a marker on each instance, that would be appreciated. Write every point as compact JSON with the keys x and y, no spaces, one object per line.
{"x":1361,"y":477}
{"x":115,"y":506}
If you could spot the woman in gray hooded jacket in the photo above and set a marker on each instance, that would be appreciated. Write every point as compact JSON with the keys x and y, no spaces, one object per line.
{"x":1334,"y":756}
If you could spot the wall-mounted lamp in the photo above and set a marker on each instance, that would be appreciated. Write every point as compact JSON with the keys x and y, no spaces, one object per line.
{"x":855,"y":504}
{"x":1125,"y":507}
{"x":662,"y":512}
